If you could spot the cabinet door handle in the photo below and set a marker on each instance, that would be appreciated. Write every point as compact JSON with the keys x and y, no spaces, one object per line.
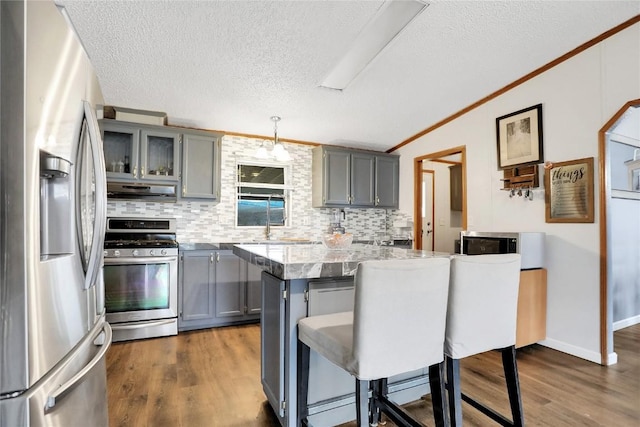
{"x":135,"y":171}
{"x":217,"y":256}
{"x":142,"y":172}
{"x":211,"y":258}
{"x":184,"y":190}
{"x":377,"y":200}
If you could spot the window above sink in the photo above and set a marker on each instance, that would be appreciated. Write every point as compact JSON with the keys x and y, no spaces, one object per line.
{"x":262,"y":194}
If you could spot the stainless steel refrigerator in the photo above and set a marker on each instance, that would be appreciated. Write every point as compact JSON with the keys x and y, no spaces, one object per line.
{"x":53,"y":334}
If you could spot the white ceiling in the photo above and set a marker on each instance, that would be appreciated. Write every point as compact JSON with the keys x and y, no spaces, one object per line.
{"x":231,"y":65}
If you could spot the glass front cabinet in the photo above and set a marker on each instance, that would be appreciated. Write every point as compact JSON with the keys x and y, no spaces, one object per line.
{"x":140,"y":152}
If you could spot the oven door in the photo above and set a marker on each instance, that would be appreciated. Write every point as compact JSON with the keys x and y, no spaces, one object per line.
{"x":141,"y":288}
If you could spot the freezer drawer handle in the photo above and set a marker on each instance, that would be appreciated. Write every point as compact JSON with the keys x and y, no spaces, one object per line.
{"x":65,"y":388}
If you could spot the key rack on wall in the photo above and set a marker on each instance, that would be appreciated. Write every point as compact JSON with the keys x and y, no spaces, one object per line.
{"x":520,"y":177}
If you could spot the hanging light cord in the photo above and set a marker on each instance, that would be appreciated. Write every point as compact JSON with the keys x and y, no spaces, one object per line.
{"x":275,"y":120}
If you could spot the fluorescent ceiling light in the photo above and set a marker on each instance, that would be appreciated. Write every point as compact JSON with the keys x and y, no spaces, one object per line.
{"x":387,"y":23}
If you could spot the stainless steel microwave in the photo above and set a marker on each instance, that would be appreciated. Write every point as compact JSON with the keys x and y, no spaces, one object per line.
{"x":530,"y":245}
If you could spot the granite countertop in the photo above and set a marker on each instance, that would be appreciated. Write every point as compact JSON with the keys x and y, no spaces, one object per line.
{"x":199,"y":246}
{"x":310,"y":261}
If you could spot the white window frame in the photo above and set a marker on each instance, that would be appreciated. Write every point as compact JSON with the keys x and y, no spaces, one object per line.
{"x":287,"y":169}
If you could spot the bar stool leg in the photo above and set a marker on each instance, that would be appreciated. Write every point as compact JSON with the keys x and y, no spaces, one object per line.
{"x":374,"y":407}
{"x":304,"y":353}
{"x":362,"y":402}
{"x":438,"y":394}
{"x":454,"y":391}
{"x":513,"y":384}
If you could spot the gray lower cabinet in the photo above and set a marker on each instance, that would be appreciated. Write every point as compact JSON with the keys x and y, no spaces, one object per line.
{"x":272,"y":343}
{"x":231,"y":278}
{"x":214,"y":290}
{"x":201,"y":166}
{"x":254,"y":289}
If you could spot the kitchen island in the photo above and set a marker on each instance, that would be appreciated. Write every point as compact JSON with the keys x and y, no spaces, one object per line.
{"x":300,"y":280}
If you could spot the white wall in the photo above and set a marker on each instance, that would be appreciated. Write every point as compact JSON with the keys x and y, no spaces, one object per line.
{"x":578,"y":96}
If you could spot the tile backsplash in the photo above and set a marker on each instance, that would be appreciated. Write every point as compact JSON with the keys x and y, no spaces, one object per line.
{"x":202,"y":221}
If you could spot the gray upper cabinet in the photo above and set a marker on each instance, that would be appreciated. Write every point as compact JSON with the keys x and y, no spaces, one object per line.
{"x":362,"y":179}
{"x":159,"y":154}
{"x":387,"y":181}
{"x":135,"y":151}
{"x":354,"y":178}
{"x":201,"y":166}
{"x":334,"y":173}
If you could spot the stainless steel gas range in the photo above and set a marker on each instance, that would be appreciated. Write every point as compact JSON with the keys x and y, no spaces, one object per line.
{"x":141,"y":277}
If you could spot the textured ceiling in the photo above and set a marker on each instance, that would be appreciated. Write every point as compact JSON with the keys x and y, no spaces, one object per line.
{"x":231,"y":65}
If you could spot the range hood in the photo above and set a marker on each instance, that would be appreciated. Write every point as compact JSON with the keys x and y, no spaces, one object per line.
{"x":142,"y":191}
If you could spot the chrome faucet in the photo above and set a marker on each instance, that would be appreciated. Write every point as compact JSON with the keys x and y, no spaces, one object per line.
{"x":269,"y":224}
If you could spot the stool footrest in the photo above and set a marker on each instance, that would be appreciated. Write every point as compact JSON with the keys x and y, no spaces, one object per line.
{"x":495,"y":416}
{"x":396,"y":413}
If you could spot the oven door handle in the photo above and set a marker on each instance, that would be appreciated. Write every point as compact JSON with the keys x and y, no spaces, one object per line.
{"x":140,"y":260}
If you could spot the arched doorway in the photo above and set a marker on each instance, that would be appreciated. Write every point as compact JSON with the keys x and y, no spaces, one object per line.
{"x":606,"y":302}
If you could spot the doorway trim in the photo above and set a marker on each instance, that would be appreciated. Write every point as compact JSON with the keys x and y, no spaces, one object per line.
{"x":606,"y":329}
{"x":433,"y":208}
{"x":417,"y":186}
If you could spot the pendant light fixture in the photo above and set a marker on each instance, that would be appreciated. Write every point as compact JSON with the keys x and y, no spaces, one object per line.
{"x":275,"y":150}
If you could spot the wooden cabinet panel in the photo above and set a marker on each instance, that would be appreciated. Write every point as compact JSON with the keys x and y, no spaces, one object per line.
{"x":532,"y":307}
{"x":455,"y":187}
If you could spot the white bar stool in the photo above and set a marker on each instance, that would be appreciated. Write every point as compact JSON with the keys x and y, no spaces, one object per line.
{"x":397,"y":326}
{"x":483,"y":305}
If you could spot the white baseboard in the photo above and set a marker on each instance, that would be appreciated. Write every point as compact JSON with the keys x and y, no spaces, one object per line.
{"x":621,"y":324}
{"x":591,"y":356}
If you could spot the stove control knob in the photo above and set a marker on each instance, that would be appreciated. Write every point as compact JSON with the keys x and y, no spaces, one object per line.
{"x":163,"y":252}
{"x":135,"y":252}
{"x":116,"y":252}
{"x":151,"y":252}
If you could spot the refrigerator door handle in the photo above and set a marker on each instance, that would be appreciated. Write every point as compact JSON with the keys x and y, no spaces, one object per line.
{"x":105,"y":342}
{"x":96,"y":257}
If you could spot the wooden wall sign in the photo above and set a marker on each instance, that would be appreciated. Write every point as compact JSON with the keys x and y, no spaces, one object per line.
{"x":569,"y":191}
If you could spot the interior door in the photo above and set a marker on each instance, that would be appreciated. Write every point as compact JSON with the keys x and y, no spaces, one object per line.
{"x":428,"y":208}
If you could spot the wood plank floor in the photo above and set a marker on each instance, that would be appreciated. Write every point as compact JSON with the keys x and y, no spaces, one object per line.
{"x":212,"y":378}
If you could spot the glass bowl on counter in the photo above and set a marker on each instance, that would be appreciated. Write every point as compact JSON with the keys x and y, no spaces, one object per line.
{"x":337,"y":241}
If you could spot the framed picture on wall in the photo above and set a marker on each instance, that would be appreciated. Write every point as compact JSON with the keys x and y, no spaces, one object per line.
{"x":519,"y":138}
{"x":568,"y":188}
